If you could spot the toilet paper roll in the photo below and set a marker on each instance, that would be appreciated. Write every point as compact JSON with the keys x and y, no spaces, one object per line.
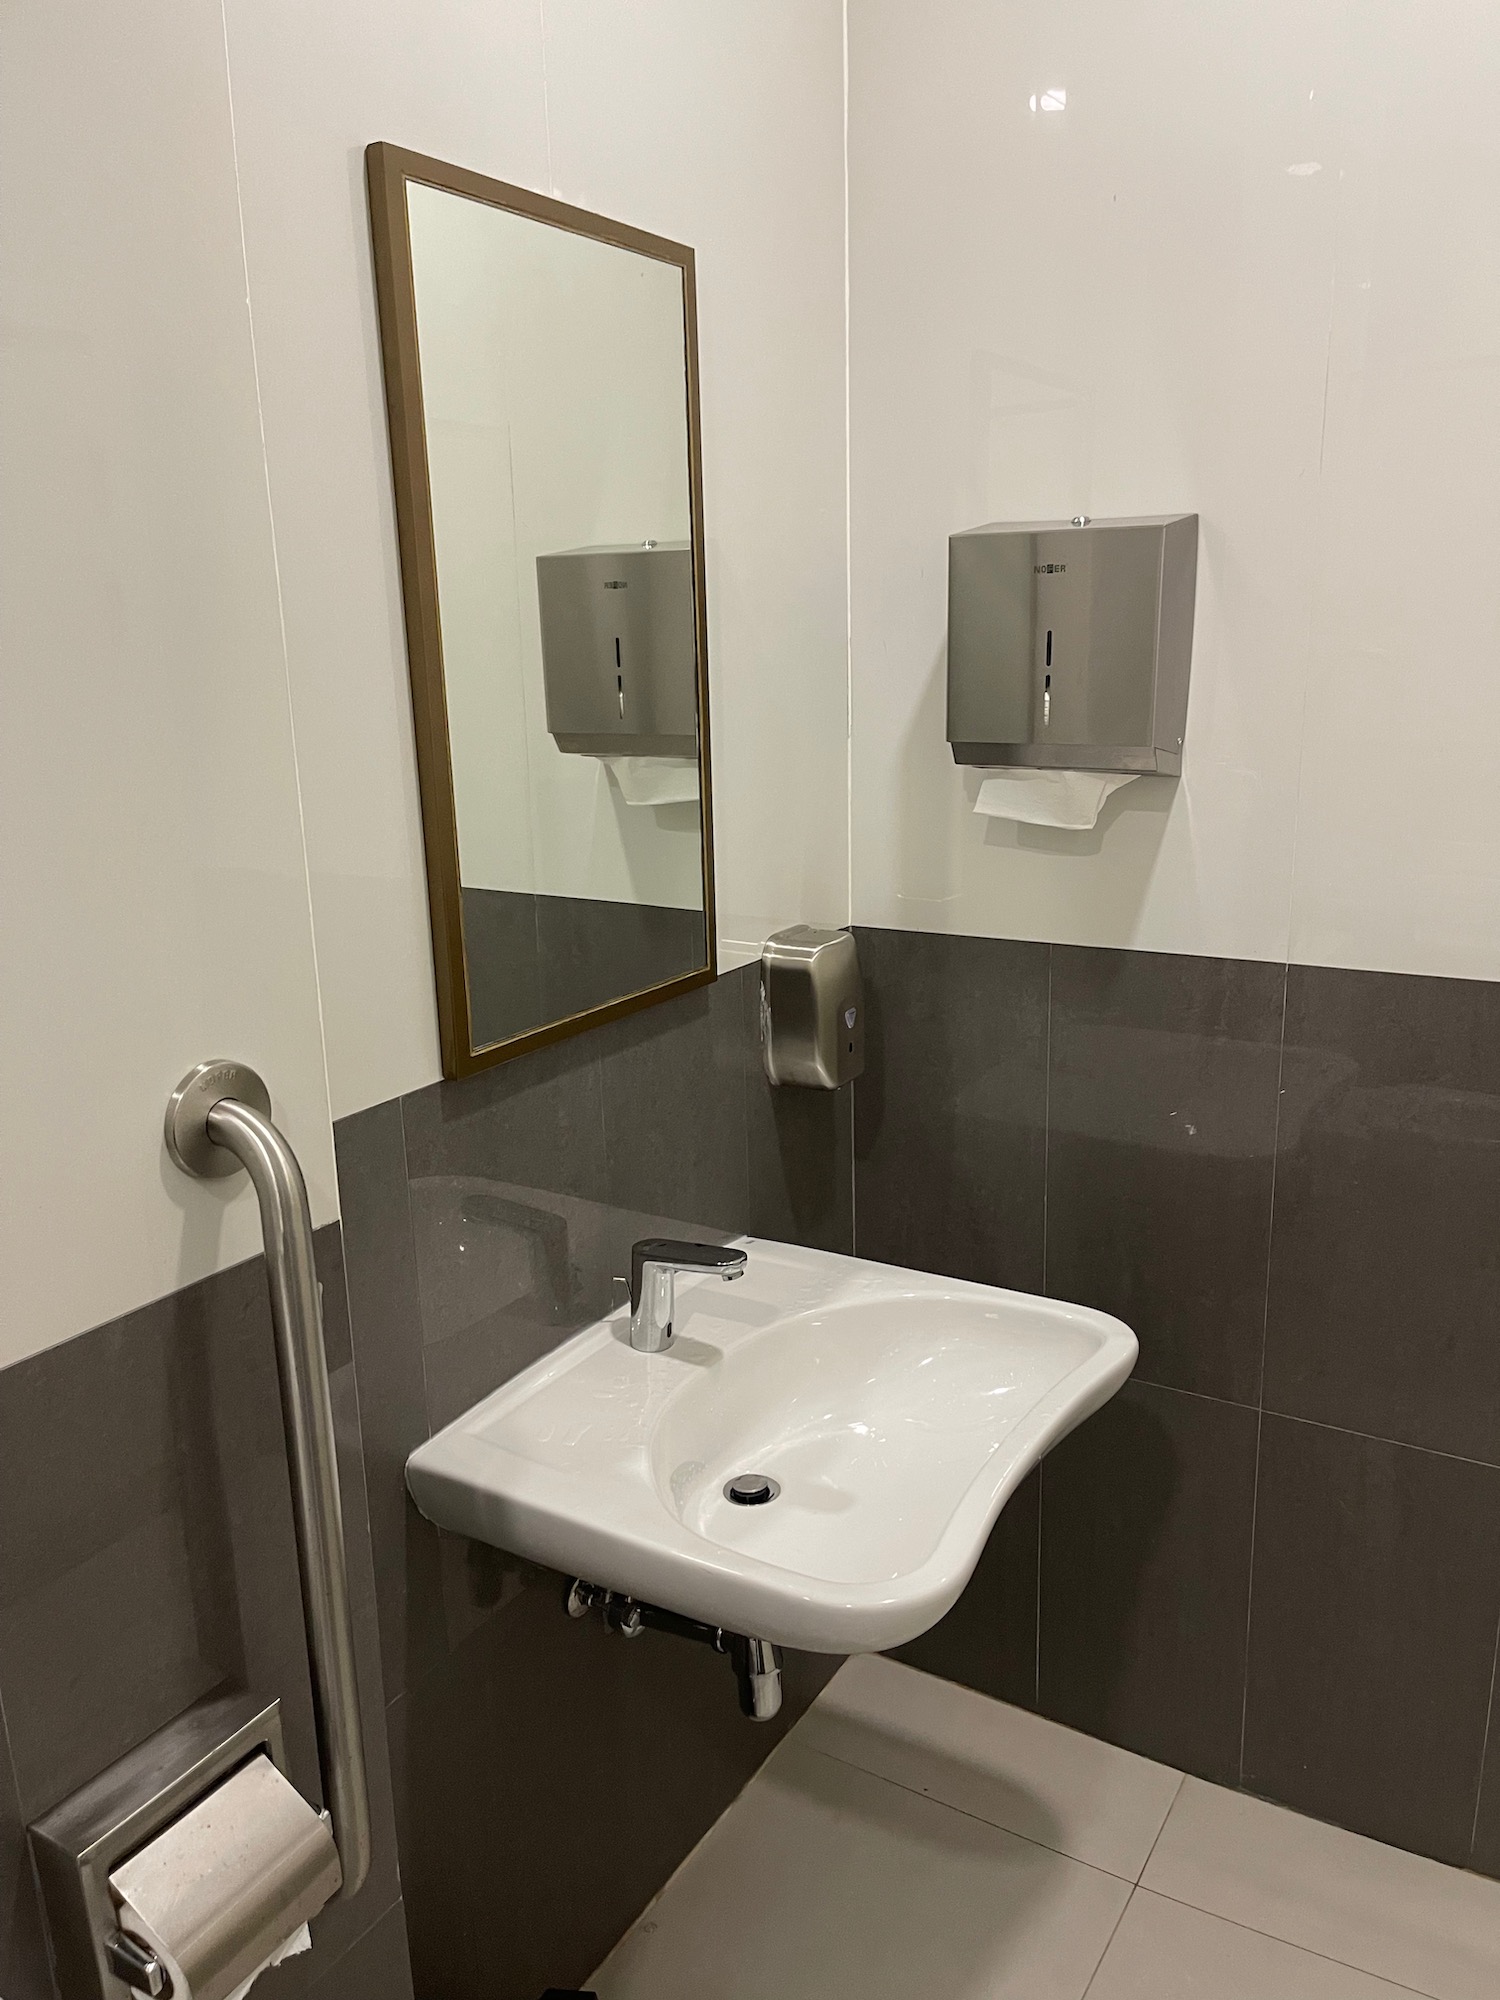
{"x":223,"y":1892}
{"x":655,"y":781}
{"x":1070,"y":799}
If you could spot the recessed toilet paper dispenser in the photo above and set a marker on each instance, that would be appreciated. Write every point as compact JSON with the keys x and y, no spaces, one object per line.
{"x":184,"y":1869}
{"x":1070,"y":643}
{"x":191,"y":1865}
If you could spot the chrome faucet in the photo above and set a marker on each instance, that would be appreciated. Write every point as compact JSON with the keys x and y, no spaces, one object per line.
{"x":654,"y":1262}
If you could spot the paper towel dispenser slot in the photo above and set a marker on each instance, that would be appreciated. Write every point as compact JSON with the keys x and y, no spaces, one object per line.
{"x":182,"y":1868}
{"x":620,"y":650}
{"x":1070,"y":643}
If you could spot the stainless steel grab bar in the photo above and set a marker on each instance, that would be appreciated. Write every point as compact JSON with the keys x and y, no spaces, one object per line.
{"x":218,"y":1119}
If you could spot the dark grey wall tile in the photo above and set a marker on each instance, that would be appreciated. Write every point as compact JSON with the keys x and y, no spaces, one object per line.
{"x":674,"y":1109}
{"x":536,"y":1121}
{"x":1160,"y":1142}
{"x":386,"y":1322}
{"x":1486,"y":1851}
{"x":130,"y":1583}
{"x":147,"y":1555}
{"x":507,"y":1272}
{"x":552,"y":1777}
{"x":949,"y":1116}
{"x":24,"y":1971}
{"x":801,"y":1148}
{"x":1146,"y":1530}
{"x":508,"y":1184}
{"x":377,"y":1967}
{"x":1372,"y":1634}
{"x":591,"y":951}
{"x":503,"y":964}
{"x":988,"y":1640}
{"x":534,"y":959}
{"x":515,"y":1732}
{"x":1385,"y":1283}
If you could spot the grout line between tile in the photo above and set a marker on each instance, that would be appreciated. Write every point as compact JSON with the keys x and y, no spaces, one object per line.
{"x":1036,"y":1665}
{"x":1114,"y":1931}
{"x":1046,"y":1113}
{"x":1484,"y":1747}
{"x":415,"y":1265}
{"x":1260,"y":1386}
{"x":1030,"y":1840}
{"x":848,"y":503}
{"x":1260,"y":1419}
{"x":1275,"y":1937}
{"x":1265,"y":1314}
{"x":541,"y":12}
{"x":1374,"y":1437}
{"x":1181,"y":1781}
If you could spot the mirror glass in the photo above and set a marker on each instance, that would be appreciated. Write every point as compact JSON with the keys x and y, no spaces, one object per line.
{"x":554,"y":400}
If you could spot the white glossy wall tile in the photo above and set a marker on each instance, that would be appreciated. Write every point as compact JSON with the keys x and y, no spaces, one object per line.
{"x":312,"y":87}
{"x":154,"y":888}
{"x":1117,"y":307}
{"x":719,"y":128}
{"x":1398,"y":838}
{"x":1245,"y":269}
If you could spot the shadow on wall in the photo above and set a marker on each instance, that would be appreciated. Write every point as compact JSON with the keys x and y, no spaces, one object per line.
{"x":1115,"y":1544}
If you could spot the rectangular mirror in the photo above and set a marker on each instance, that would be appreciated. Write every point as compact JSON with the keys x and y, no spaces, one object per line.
{"x":541,"y":376}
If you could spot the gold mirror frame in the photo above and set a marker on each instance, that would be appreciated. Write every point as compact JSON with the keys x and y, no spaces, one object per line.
{"x":389,"y":169}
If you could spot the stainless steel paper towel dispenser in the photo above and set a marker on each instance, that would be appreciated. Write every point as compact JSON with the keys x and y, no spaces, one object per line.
{"x":812,"y":1007}
{"x":620,"y":649}
{"x":1069,"y":643}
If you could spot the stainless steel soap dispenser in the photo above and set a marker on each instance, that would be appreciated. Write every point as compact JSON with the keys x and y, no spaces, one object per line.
{"x":620,"y":649}
{"x":812,"y":1007}
{"x":1069,"y":642}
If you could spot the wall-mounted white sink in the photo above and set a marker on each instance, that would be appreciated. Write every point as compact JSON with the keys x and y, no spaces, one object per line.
{"x":897,"y":1411}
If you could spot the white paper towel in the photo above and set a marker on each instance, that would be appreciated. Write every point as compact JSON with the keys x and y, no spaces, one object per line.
{"x":1070,"y":799}
{"x":655,"y":781}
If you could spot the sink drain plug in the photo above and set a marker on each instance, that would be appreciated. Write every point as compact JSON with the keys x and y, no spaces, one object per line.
{"x":752,"y":1489}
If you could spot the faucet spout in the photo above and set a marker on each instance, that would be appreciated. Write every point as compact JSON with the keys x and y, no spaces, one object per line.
{"x":654,"y":1263}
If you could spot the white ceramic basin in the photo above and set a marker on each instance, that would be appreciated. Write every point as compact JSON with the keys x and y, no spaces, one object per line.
{"x":898,"y":1412}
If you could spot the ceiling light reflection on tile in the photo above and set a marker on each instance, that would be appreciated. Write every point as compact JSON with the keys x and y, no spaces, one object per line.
{"x":1049,"y":100}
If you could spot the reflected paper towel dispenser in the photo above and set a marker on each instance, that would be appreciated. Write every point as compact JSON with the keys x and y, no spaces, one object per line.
{"x":188,"y":1867}
{"x":620,"y":649}
{"x":1069,"y":643}
{"x":812,"y":1007}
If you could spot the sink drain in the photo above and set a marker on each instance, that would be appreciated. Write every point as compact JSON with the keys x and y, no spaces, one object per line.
{"x":752,"y":1489}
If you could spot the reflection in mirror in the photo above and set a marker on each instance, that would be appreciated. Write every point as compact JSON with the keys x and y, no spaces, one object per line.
{"x":543,"y":383}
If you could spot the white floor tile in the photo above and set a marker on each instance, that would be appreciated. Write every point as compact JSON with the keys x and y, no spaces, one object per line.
{"x":1033,"y":1777}
{"x":822,"y":1882}
{"x":1393,"y":1914}
{"x":1165,"y":1951}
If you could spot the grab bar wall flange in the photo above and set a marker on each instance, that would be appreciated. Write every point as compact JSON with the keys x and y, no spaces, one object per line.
{"x":218,"y":1120}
